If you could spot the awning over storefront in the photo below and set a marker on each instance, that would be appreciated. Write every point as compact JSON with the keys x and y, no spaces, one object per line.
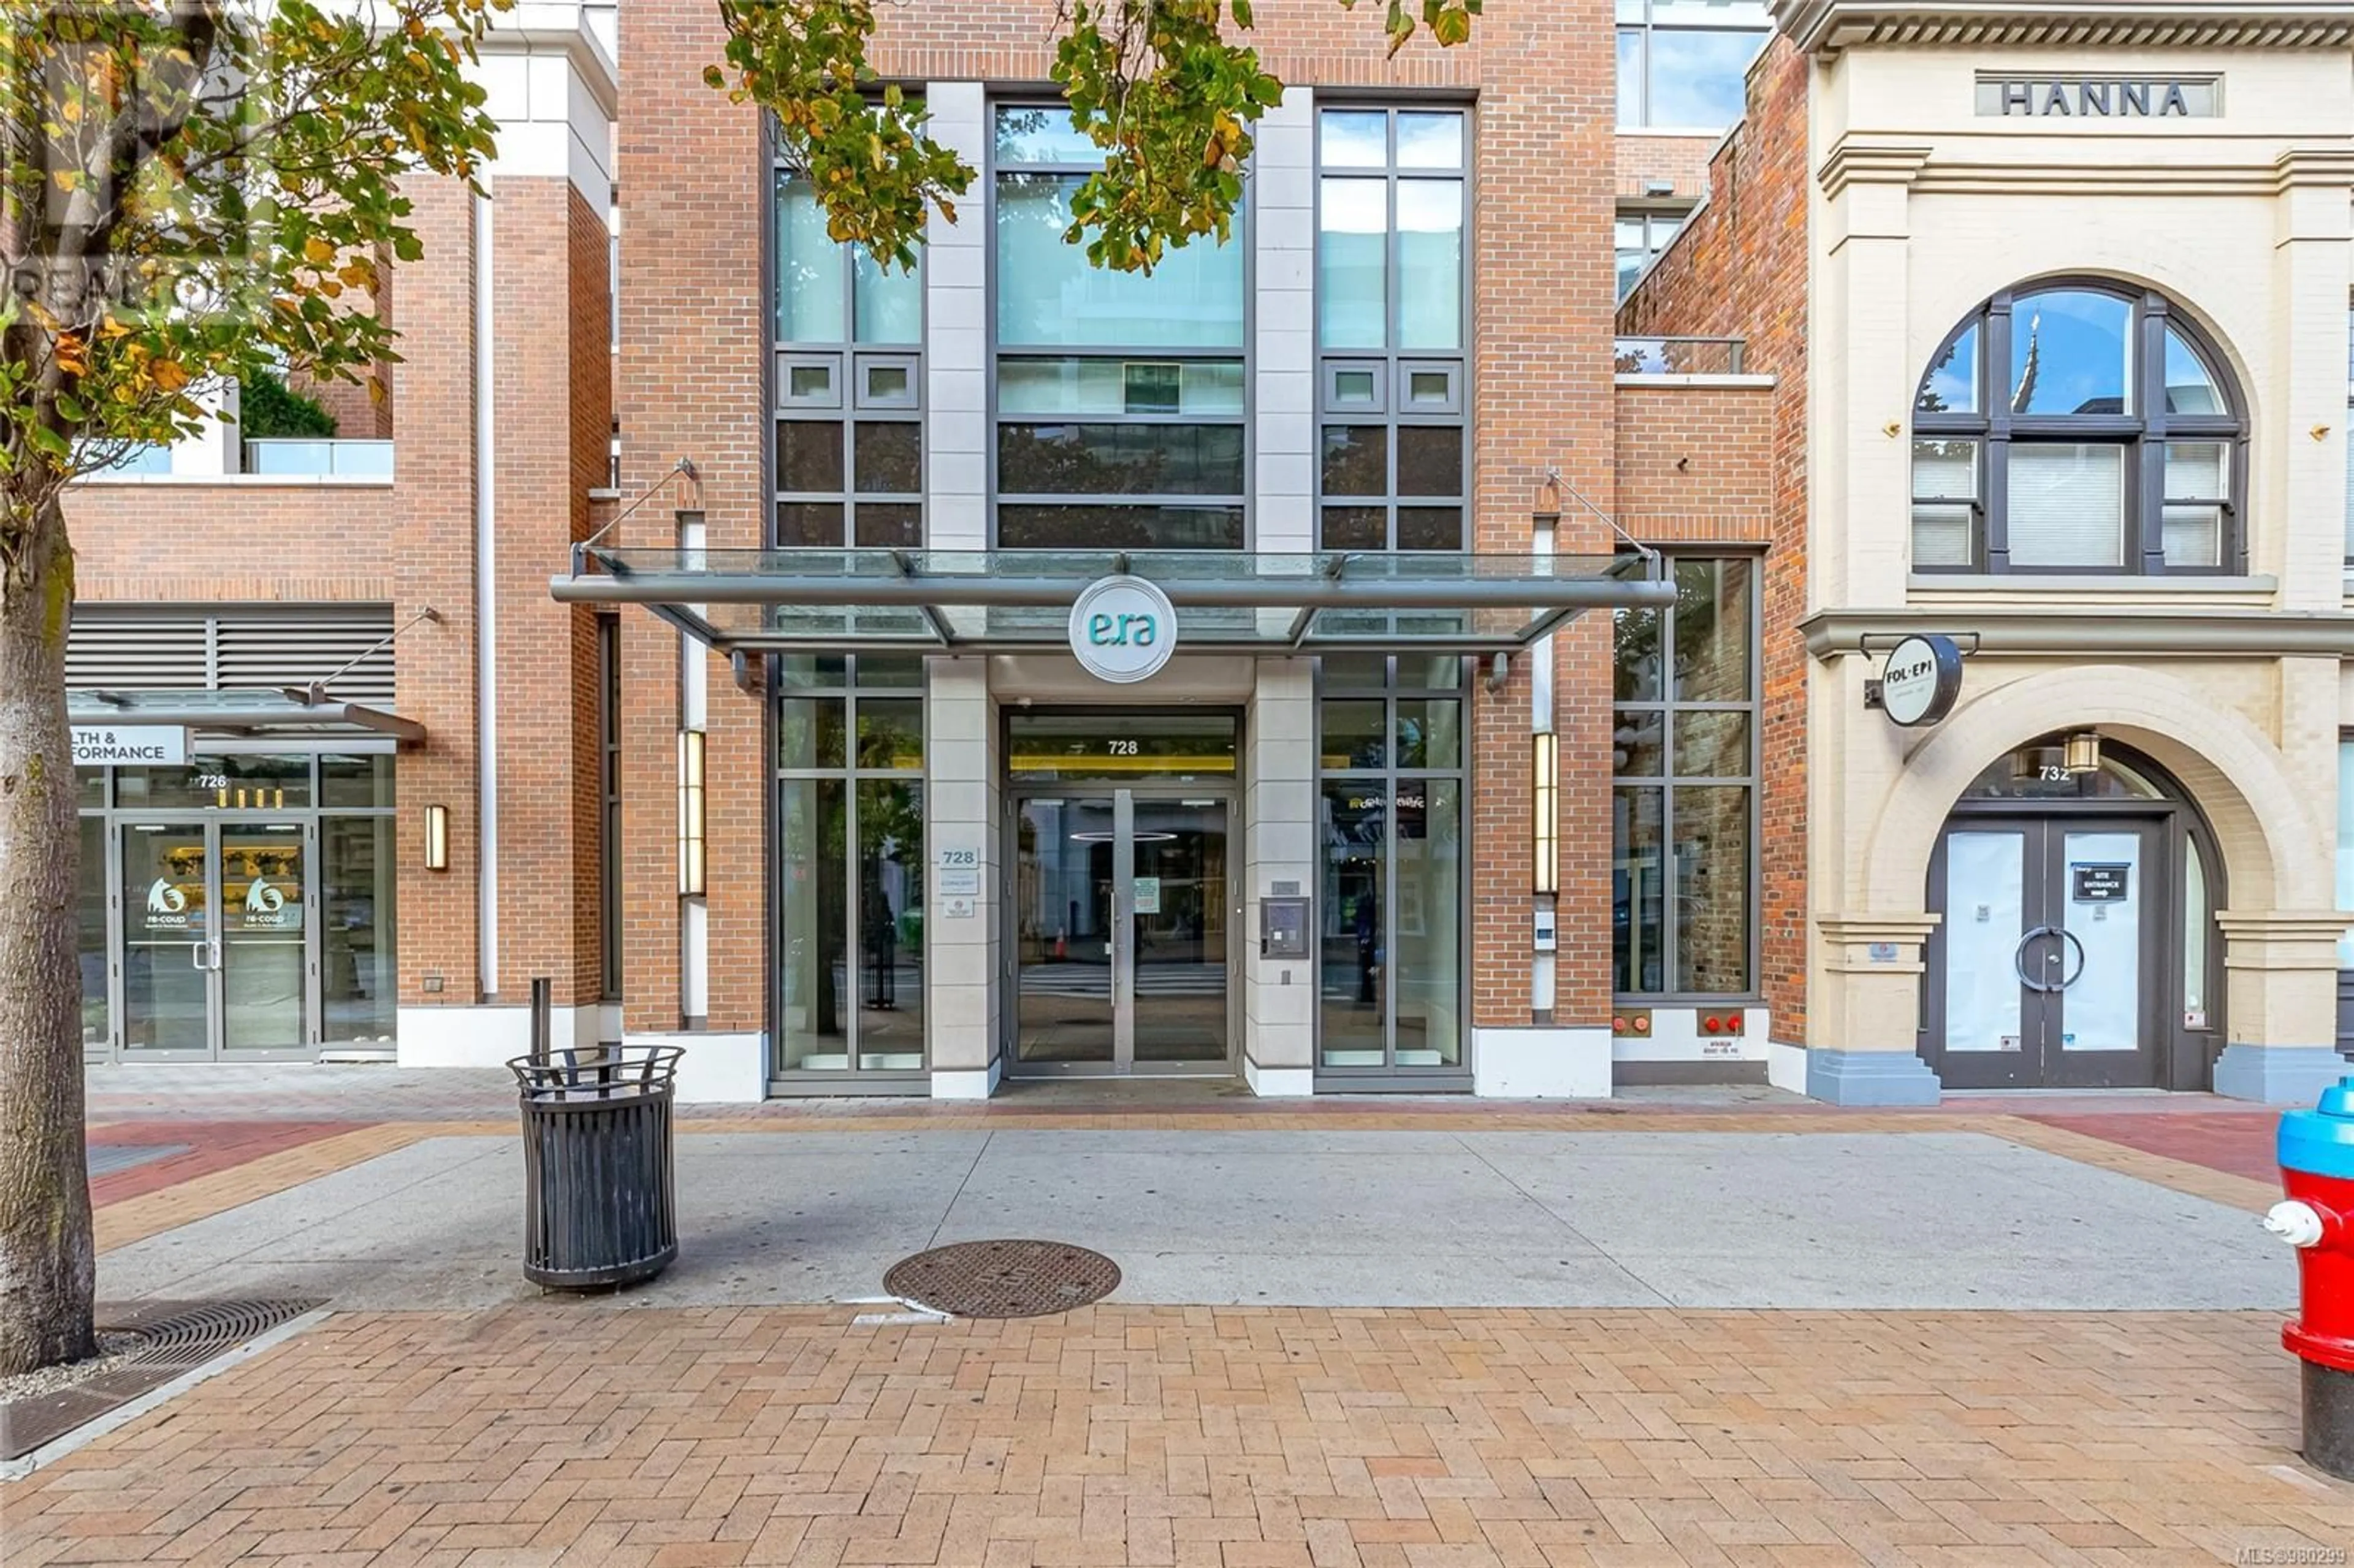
{"x":1008,"y":601}
{"x":260,"y":710}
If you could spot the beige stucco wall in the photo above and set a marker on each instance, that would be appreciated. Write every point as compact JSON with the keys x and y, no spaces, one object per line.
{"x":1920,"y":209}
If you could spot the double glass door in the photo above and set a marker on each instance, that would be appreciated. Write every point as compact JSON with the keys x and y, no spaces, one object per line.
{"x":215,"y":959}
{"x":2048,"y":963}
{"x":1122,"y":915}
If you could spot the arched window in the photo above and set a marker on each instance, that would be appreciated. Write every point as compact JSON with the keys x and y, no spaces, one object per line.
{"x":2077,"y":427}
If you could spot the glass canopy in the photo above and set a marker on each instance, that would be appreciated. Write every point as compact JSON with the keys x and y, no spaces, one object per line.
{"x":850,"y":600}
{"x":261,"y":708}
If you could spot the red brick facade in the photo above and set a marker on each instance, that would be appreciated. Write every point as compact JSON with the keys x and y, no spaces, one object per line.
{"x":1739,"y":269}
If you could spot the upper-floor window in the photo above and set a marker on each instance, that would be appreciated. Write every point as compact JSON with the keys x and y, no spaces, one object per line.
{"x":2349,"y":444}
{"x":849,"y":386}
{"x":1641,"y":235}
{"x":1120,"y":395}
{"x":1391,"y":307}
{"x":1681,"y":62}
{"x":2077,"y":427}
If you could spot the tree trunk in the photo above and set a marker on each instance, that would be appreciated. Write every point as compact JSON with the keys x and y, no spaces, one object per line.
{"x":47,"y":1262}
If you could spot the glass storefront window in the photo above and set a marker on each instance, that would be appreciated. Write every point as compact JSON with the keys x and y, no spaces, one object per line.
{"x":814,"y":924}
{"x":235,"y":783}
{"x":850,"y":866}
{"x":1390,"y":975}
{"x":356,"y":782}
{"x":90,"y":907}
{"x":1683,"y":852}
{"x":219,"y":865}
{"x":358,"y":976}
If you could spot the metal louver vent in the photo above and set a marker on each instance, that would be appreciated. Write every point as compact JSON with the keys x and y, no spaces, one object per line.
{"x":149,"y":648}
{"x":133,"y":651}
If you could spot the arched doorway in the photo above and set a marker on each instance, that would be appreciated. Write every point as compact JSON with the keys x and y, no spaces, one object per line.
{"x":2076,"y":944}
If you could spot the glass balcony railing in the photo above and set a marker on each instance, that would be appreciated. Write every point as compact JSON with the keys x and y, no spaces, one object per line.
{"x":1680,"y":355}
{"x":320,"y":459}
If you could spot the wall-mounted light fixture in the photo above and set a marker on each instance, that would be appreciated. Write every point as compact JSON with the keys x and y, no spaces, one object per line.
{"x":690,"y":812}
{"x":1544,"y":804}
{"x":437,"y":838}
{"x":2084,"y":752}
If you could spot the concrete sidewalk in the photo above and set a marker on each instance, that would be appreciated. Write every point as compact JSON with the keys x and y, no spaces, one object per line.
{"x":1406,"y":1218}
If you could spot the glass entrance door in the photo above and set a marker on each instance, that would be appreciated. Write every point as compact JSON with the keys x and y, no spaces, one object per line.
{"x":2048,"y":959}
{"x":216,"y":949}
{"x":1122,"y":925}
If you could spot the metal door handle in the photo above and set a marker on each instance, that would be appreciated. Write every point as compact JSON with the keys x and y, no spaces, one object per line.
{"x":2019,"y":959}
{"x":197,"y":956}
{"x":2078,"y":943}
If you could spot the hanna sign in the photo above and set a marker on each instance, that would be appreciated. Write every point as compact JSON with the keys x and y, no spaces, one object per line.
{"x":1122,"y":629}
{"x":1920,"y":680}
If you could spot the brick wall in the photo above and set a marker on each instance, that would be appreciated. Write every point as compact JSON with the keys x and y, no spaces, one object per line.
{"x":1681,"y":159}
{"x":1695,"y":464}
{"x":692,"y":385}
{"x":1739,"y":270}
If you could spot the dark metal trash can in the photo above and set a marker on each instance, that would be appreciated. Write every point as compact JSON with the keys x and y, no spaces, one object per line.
{"x":599,"y":1199}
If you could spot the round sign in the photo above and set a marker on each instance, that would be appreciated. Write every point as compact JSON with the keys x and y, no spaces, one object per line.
{"x":1922,"y":677}
{"x":1122,"y":629}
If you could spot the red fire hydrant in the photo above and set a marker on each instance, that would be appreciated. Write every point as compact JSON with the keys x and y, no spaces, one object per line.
{"x":2317,"y":1161}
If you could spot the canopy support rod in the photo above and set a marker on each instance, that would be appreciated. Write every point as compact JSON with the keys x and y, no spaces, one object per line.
{"x":932,"y":616}
{"x":1296,"y":633}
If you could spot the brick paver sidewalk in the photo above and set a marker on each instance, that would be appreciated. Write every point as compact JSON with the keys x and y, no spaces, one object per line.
{"x":1214,"y":1438}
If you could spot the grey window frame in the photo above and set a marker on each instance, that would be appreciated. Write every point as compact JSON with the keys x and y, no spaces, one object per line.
{"x":1667,"y":781}
{"x":1645,"y":28}
{"x":1241,"y":355}
{"x":1390,"y":1076}
{"x":1391,"y":362}
{"x":1660,"y":226}
{"x":850,"y":1078}
{"x":847,"y":406}
{"x":610,"y":946}
{"x":2141,"y":431}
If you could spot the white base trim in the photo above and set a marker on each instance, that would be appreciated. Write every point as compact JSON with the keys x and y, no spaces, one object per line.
{"x":1677,"y":1037}
{"x":1278,"y":1083}
{"x":1540,"y":1064}
{"x":1786,"y":1066}
{"x":968,"y":1083}
{"x":716,"y":1069}
{"x":487,"y":1036}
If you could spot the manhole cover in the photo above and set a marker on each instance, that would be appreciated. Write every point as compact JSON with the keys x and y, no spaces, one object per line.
{"x":168,"y":1338}
{"x":1003,"y":1278}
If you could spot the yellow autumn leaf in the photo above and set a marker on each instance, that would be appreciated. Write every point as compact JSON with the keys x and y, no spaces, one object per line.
{"x":317,"y":251}
{"x":169,"y":374}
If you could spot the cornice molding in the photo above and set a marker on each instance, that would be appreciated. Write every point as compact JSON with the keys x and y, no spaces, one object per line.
{"x":1853,"y":163}
{"x":2071,"y":627}
{"x":1826,"y":27}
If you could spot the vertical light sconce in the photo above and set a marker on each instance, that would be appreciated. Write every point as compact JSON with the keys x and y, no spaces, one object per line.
{"x":2084,"y":752}
{"x":437,"y":838}
{"x":690,"y":812}
{"x":1544,"y":805}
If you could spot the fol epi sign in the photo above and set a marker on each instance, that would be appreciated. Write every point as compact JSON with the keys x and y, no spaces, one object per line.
{"x":1920,"y":680}
{"x":1122,"y":629}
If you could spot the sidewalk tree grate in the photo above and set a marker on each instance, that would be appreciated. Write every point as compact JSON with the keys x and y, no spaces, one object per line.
{"x":1003,"y":1278}
{"x":172,"y":1338}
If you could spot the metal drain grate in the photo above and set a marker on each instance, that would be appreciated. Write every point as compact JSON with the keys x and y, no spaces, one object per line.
{"x":1003,"y":1278}
{"x":174,"y":1336}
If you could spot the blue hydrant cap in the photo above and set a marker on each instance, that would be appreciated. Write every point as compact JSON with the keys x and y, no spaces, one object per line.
{"x":2320,"y":1141}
